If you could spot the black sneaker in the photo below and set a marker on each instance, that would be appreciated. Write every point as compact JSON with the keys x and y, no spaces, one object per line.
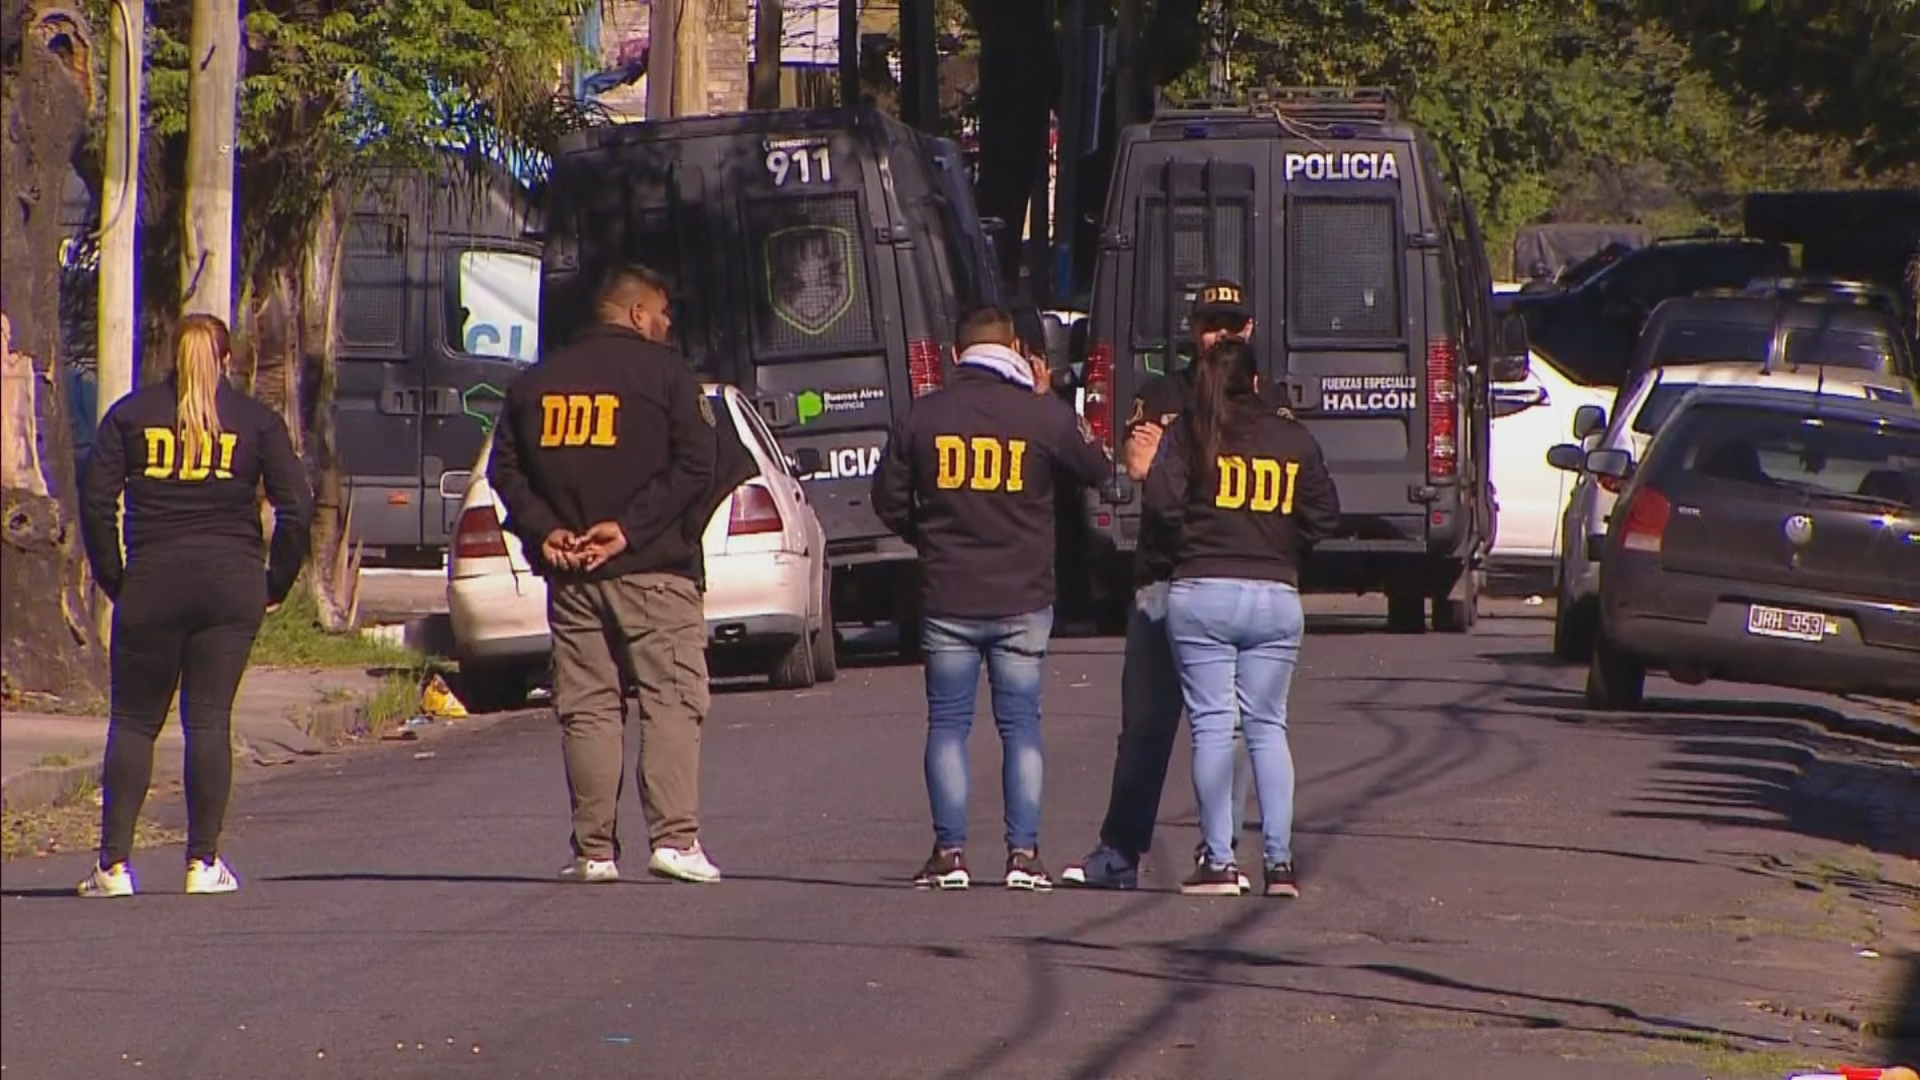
{"x":1026,"y":872}
{"x":944,"y":870}
{"x":1200,"y":860}
{"x":1281,"y":882}
{"x":1212,"y":880}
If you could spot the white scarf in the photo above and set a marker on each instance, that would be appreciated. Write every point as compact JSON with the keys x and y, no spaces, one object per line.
{"x":1002,"y":361}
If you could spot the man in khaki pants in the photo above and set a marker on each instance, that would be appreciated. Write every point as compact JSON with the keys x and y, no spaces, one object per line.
{"x":604,"y":454}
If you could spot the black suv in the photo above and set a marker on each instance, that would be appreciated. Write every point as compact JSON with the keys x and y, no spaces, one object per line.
{"x":820,"y":261}
{"x":1780,"y":333}
{"x":1369,"y":282}
{"x":1589,"y":323}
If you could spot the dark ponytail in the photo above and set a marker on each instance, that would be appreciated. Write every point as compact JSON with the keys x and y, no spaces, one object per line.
{"x":1223,"y":380}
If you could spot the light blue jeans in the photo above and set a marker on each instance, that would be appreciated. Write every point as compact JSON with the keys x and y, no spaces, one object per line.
{"x":1014,"y":652}
{"x":1237,"y":642}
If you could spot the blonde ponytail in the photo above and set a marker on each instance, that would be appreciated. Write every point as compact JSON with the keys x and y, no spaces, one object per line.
{"x":200,"y":366}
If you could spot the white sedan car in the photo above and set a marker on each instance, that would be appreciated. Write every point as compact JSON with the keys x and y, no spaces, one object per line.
{"x":1644,"y":409}
{"x":1529,"y":417}
{"x":768,"y":596}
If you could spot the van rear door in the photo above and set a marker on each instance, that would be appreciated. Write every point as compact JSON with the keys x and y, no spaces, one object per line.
{"x":813,"y":270}
{"x":1355,"y":291}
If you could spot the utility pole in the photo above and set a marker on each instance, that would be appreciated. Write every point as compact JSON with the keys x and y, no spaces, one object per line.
{"x":663,"y":34}
{"x":119,"y":204}
{"x":850,"y":53}
{"x":213,"y":86}
{"x":120,"y":219}
{"x":769,"y":33}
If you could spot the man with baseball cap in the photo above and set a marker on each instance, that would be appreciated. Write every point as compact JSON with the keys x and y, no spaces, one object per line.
{"x":1150,"y":700}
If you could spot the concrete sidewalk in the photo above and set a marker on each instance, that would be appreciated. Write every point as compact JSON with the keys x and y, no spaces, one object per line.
{"x":279,"y":716}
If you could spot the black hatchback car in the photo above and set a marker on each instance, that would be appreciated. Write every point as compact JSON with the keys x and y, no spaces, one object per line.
{"x":1767,"y":538}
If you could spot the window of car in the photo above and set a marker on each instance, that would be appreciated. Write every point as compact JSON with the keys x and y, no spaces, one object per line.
{"x":759,"y":433}
{"x":1853,"y":459}
{"x":1838,"y":348}
{"x":493,"y":304}
{"x":1711,"y":343}
{"x":1659,"y":405}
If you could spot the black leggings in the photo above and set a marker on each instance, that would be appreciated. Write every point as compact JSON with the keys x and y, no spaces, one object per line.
{"x":187,"y":625}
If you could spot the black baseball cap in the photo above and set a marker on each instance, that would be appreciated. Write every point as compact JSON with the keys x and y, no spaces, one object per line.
{"x":1222,"y":299}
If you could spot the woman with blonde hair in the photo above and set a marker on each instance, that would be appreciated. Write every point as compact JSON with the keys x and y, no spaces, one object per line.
{"x":190,"y":455}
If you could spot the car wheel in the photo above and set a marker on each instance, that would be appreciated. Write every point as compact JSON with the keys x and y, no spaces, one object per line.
{"x":484,"y":687}
{"x":794,"y":670}
{"x":1406,"y":612}
{"x":1572,"y":633}
{"x":826,"y":652}
{"x":1615,"y":680}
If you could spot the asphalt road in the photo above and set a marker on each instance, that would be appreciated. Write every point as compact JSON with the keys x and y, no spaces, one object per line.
{"x":1496,"y":884}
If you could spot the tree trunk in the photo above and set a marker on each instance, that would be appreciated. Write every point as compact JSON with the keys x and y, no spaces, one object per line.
{"x":769,"y":30}
{"x":46,"y":95}
{"x":335,"y":568}
{"x":1016,"y":42}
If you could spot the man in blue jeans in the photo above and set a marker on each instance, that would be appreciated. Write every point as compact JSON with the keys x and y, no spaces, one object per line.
{"x":1150,"y":701}
{"x":968,"y":479}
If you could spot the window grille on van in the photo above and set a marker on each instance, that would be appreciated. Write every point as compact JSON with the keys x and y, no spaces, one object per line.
{"x":373,"y":283}
{"x":1202,"y":251}
{"x":1343,"y":269}
{"x":809,"y":273}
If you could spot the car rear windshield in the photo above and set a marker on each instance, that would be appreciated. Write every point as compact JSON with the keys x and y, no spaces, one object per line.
{"x":809,"y":270}
{"x":1198,"y":248}
{"x":1874,"y":463}
{"x":1713,"y":343}
{"x":1343,"y":262}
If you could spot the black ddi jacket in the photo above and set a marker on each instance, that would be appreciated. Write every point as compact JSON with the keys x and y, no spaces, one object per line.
{"x":1268,"y":499}
{"x":968,"y":479}
{"x":201,"y":511}
{"x":611,"y":428}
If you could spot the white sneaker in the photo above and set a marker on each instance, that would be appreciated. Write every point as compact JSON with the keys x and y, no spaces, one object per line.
{"x":590,"y":871}
{"x":689,"y":865}
{"x":105,"y":884}
{"x":211,"y":878}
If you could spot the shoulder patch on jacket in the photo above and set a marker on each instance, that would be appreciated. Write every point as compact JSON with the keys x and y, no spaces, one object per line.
{"x":1139,"y":412}
{"x":706,"y":411}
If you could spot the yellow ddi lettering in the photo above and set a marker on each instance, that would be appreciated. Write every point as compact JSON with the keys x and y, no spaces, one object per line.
{"x":579,"y":420}
{"x":982,"y":463}
{"x":1262,"y":485}
{"x":166,"y":462}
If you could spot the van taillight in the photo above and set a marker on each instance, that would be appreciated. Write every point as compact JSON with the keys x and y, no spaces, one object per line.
{"x":754,"y":512}
{"x":923,"y":366}
{"x":1098,"y":382}
{"x":1645,"y":527}
{"x":478,"y":536}
{"x":1443,"y":445}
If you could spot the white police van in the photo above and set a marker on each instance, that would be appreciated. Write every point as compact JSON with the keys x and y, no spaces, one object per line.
{"x":1369,"y":281}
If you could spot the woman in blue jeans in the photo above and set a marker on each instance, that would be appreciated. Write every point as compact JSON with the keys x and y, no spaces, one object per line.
{"x":1248,"y":490}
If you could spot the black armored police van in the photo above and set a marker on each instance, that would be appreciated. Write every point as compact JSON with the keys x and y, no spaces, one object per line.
{"x":1369,"y":281}
{"x":819,"y":261}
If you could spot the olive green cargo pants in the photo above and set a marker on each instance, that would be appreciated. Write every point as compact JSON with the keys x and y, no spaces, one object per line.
{"x":650,"y":630}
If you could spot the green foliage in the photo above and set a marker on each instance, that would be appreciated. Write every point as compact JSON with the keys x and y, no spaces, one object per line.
{"x":291,"y":637}
{"x":333,"y":88}
{"x":1577,"y":109}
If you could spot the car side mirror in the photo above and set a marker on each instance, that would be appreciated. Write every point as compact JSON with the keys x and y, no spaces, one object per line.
{"x":1567,"y":457}
{"x":1511,"y":353}
{"x":1065,"y":380}
{"x":779,"y":411}
{"x":1589,"y":420}
{"x":805,"y":462}
{"x":1617,"y":464}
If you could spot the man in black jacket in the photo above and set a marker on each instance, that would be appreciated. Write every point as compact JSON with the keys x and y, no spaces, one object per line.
{"x":968,"y":479}
{"x":604,"y":454}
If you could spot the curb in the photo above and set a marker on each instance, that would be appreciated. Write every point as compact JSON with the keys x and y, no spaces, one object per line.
{"x":43,"y":786}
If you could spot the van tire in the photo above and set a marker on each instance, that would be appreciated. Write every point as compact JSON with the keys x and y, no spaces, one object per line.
{"x":907,"y":615}
{"x":1457,"y":616}
{"x":1406,"y":611}
{"x":794,"y":670}
{"x":1615,"y":680}
{"x":826,"y":647}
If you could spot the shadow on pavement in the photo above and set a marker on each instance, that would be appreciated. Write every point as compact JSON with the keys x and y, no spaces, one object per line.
{"x":1797,"y":768}
{"x":641,"y":878}
{"x":1903,"y":1041}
